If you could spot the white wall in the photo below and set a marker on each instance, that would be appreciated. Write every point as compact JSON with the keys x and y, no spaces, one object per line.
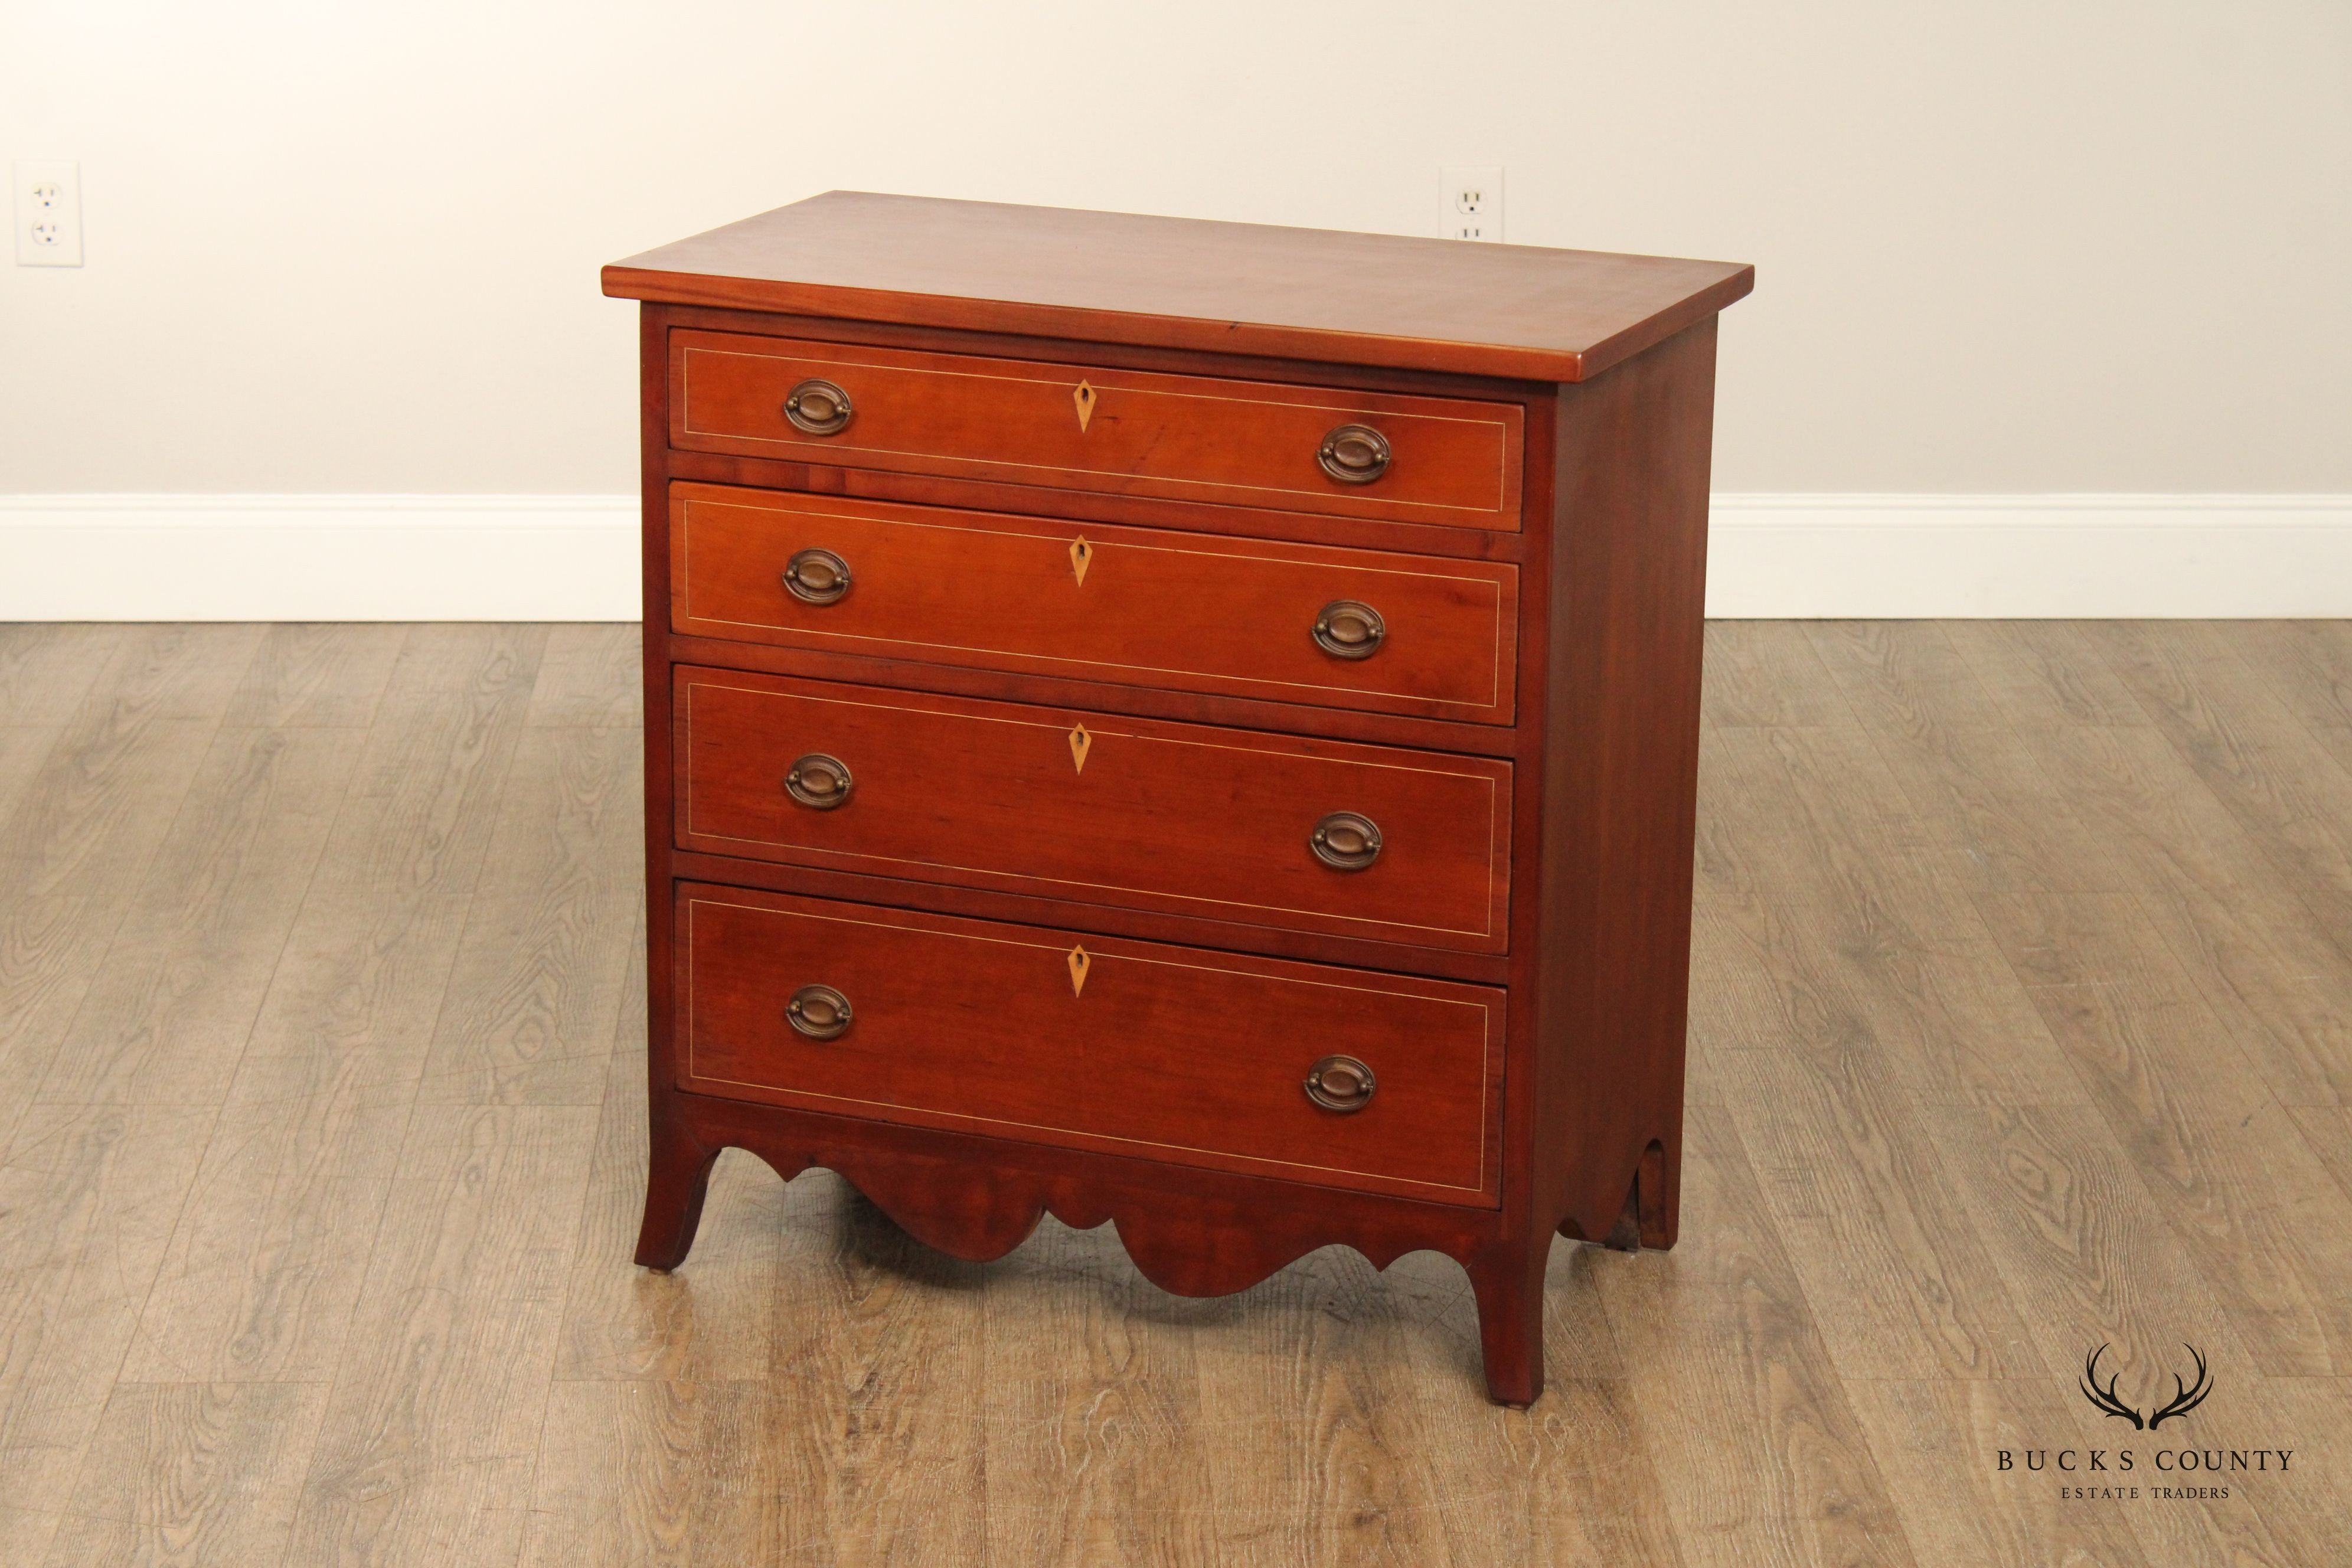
{"x":2004,"y":249}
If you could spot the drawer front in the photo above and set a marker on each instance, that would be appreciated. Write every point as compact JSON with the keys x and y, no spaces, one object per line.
{"x":1096,"y":808}
{"x":1131,"y":605}
{"x":1162,"y":1053}
{"x":1177,"y":437}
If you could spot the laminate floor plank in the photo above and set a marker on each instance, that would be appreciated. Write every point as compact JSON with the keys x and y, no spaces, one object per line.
{"x":590,"y":675}
{"x":710,"y":1323}
{"x":1902,"y":677}
{"x":2042,"y":675}
{"x":2245,"y":1195}
{"x":2327,"y":1131}
{"x":551,"y":931}
{"x":1900,"y":1284}
{"x":166,"y":1020}
{"x":271,"y":1251}
{"x":429,"y":1449}
{"x":2293,"y":799}
{"x":654,"y":1471}
{"x":317,"y":675}
{"x":51,"y":950}
{"x":23,"y":749}
{"x":1826,"y":956}
{"x":1736,"y":1398}
{"x":89,"y":819}
{"x":1569,"y":1482}
{"x":2269,"y":972}
{"x":1091,"y":1392}
{"x":2142,"y":1041}
{"x":1939,"y":1443}
{"x":88,"y":1195}
{"x":2001,"y":823}
{"x":1966,"y":769}
{"x":1813,"y":817}
{"x":2256,"y":1526}
{"x":191,"y":1473}
{"x":172,"y":670}
{"x":2020,"y":1022}
{"x":46,"y":669}
{"x":2308,"y":1507}
{"x":87,"y":825}
{"x":2266,"y":1220}
{"x":359,"y":993}
{"x":878,"y":1363}
{"x":1594,"y":1492}
{"x":1768,"y":673}
{"x":1946,"y":1019}
{"x":1320,"y":1460}
{"x":2306,"y":665}
{"x":2082,"y":1243}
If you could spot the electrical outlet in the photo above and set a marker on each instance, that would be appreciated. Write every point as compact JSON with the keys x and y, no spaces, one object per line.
{"x":48,"y":213}
{"x":1471,"y":204}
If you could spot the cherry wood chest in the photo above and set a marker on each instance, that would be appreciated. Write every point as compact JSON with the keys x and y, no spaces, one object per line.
{"x":1182,"y":723}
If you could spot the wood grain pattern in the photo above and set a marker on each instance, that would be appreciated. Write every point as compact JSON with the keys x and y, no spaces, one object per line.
{"x":46,"y":670}
{"x":537,"y":980}
{"x":313,"y":676}
{"x":191,"y":1473}
{"x":1183,"y":818}
{"x":1963,"y":1515}
{"x":1243,"y":288}
{"x":431,"y":1437}
{"x":1454,"y":462}
{"x":192,"y":958}
{"x":909,"y":674}
{"x":1756,"y":1422}
{"x":1168,"y":1054}
{"x":815,"y":1386}
{"x":1154,"y":608}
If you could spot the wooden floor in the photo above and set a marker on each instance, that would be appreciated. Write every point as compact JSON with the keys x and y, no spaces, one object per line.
{"x":2022,"y":1022}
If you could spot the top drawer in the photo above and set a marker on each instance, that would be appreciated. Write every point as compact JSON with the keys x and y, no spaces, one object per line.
{"x":1179,"y":438}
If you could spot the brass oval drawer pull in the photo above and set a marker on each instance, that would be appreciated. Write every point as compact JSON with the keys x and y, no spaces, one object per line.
{"x":1342,"y":1084}
{"x":1345,"y":841}
{"x":819,"y":407}
{"x":819,"y":781}
{"x":821,"y":1013}
{"x":1349,"y":629}
{"x":817,"y":576}
{"x":1354,"y":453}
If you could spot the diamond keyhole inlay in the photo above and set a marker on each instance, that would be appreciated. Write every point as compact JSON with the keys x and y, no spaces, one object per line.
{"x":1079,"y":962}
{"x":1084,"y":398}
{"x":1081,"y":743}
{"x":1082,"y":555}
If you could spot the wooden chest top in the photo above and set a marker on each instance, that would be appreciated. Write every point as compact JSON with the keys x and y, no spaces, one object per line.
{"x":1515,"y":311}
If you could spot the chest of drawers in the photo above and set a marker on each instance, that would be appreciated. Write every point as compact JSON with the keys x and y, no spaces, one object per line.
{"x":1178,"y":723}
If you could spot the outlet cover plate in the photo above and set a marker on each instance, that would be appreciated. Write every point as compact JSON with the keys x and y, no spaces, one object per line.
{"x":48,"y":213}
{"x":1470,"y":203}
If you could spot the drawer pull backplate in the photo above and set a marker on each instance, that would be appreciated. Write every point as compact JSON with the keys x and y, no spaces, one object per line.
{"x":1348,"y":629}
{"x":819,"y":1012}
{"x":819,"y":408}
{"x":819,"y":781}
{"x":1342,"y":1084}
{"x":1354,"y":453}
{"x":1345,"y":841}
{"x":816,"y":577}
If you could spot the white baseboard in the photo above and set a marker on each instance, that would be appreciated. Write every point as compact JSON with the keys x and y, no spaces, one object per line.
{"x":317,"y":558}
{"x":1840,"y":557}
{"x":523,"y":558}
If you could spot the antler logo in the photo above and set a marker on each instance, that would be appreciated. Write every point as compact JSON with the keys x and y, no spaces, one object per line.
{"x":2186,"y":1396}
